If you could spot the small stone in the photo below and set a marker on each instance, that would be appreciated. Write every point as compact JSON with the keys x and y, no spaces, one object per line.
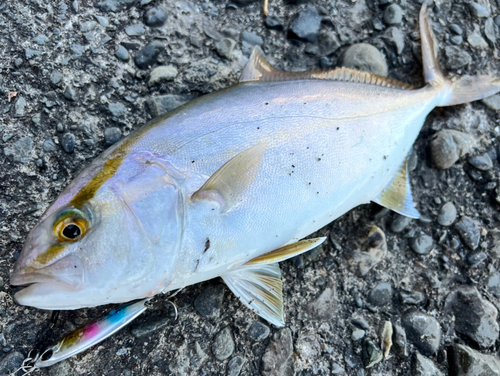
{"x":56,"y":77}
{"x":160,"y":105}
{"x":422,"y":245}
{"x":381,"y":294}
{"x":274,"y":23}
{"x":476,"y":40}
{"x":77,"y":50}
{"x":328,"y":43}
{"x":475,"y":317}
{"x":135,"y":30}
{"x":11,"y":362}
{"x":88,"y":26}
{"x":469,"y":232}
{"x":37,"y":119}
{"x":68,"y":142}
{"x":360,"y":322}
{"x":307,"y":346}
{"x":324,"y":306}
{"x":155,"y":17}
{"x":122,"y":53}
{"x":464,"y":361}
{"x":19,"y":106}
{"x":371,"y":354}
{"x":49,"y":146}
{"x":148,"y":55}
{"x":412,"y":298}
{"x":480,"y":11}
{"x":103,"y":21}
{"x":148,"y":325}
{"x":115,"y":5}
{"x":235,"y":365}
{"x":117,"y":109}
{"x":393,"y":15}
{"x":395,"y":37}
{"x":447,"y":215}
{"x":305,"y":25}
{"x":223,"y":346}
{"x":20,"y":151}
{"x":112,"y":135}
{"x":30,"y":54}
{"x":475,"y":257}
{"x":357,"y":334}
{"x":399,"y":223}
{"x":364,"y":57}
{"x":482,"y":162}
{"x":208,"y":304}
{"x":278,"y":359}
{"x":422,"y":366}
{"x":489,"y":31}
{"x":497,"y":21}
{"x":493,"y":283}
{"x":252,"y":38}
{"x":456,"y":58}
{"x":69,"y":93}
{"x":225,"y":47}
{"x":457,"y":40}
{"x":492,"y":102}
{"x":423,"y":330}
{"x":258,"y":331}
{"x":455,"y":29}
{"x":18,"y":62}
{"x":448,"y":146}
{"x":399,"y":340}
{"x":41,"y":39}
{"x":163,"y":73}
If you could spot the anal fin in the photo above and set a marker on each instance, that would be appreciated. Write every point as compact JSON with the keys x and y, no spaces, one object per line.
{"x":397,"y":196}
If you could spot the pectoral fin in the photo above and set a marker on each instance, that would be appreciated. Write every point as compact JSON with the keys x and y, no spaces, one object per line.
{"x":228,"y":184}
{"x":397,"y":196}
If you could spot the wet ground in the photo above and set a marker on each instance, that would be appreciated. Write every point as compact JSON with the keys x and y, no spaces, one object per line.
{"x":76,"y":76}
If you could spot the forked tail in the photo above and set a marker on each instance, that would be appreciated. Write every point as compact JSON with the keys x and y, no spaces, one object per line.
{"x":465,"y":89}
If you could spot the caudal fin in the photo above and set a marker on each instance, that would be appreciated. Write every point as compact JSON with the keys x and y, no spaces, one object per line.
{"x":465,"y":89}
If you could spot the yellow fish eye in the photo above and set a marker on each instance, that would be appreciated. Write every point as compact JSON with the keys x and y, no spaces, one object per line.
{"x":70,"y":226}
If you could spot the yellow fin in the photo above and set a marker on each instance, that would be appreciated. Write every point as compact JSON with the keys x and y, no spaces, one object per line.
{"x":229,"y":182}
{"x":397,"y":196}
{"x":286,"y":252}
{"x":259,"y":70}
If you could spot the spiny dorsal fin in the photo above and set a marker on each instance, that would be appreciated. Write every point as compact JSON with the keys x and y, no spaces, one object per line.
{"x":259,"y":287}
{"x":397,"y":196}
{"x":259,"y":70}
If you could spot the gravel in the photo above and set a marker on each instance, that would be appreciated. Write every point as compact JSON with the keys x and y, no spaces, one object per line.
{"x":393,"y":15}
{"x":163,"y":73}
{"x":223,"y":346}
{"x":447,"y":214}
{"x":305,"y":26}
{"x":423,"y":331}
{"x":155,"y":17}
{"x":148,"y":55}
{"x":469,"y":232}
{"x":365,"y":57}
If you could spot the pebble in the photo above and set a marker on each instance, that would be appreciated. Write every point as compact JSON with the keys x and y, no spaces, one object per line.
{"x":278,"y":356}
{"x":68,"y":142}
{"x":422,"y":366}
{"x":103,"y":21}
{"x":117,"y":109}
{"x":208,"y":304}
{"x":456,"y":29}
{"x":307,"y":346}
{"x":478,"y":10}
{"x":235,"y":365}
{"x":19,"y":106}
{"x":395,"y":37}
{"x":381,"y":294}
{"x":258,"y":331}
{"x":55,"y":77}
{"x":115,"y":5}
{"x":447,"y":215}
{"x":135,"y":30}
{"x":371,"y":353}
{"x":49,"y":146}
{"x":399,"y":340}
{"x":18,"y":62}
{"x":412,"y":298}
{"x":77,"y":50}
{"x":423,"y":331}
{"x":448,"y":146}
{"x":112,"y":135}
{"x":328,"y":43}
{"x":225,"y":47}
{"x":305,"y":25}
{"x":69,"y":93}
{"x":497,"y":21}
{"x":475,"y":257}
{"x":148,"y":325}
{"x":464,"y":361}
{"x":274,"y":23}
{"x":399,"y":223}
{"x":469,"y":232}
{"x":163,"y":73}
{"x":20,"y":151}
{"x":223,"y":346}
{"x":122,"y":53}
{"x":489,"y":30}
{"x":148,"y":55}
{"x":41,"y":39}
{"x":482,"y":162}
{"x":160,"y":105}
{"x":393,"y":15}
{"x":475,"y":317}
{"x":155,"y":17}
{"x":88,"y":26}
{"x":11,"y":362}
{"x":30,"y":53}
{"x":360,"y":322}
{"x":357,"y":334}
{"x":252,"y":38}
{"x":457,"y":40}
{"x":456,"y":58}
{"x":364,"y":57}
{"x":324,"y":306}
{"x":476,"y":40}
{"x":422,"y":245}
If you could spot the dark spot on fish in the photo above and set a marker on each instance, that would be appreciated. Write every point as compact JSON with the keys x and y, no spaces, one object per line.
{"x":207,"y":245}
{"x":192,"y":161}
{"x":293,"y":166}
{"x":258,"y":127}
{"x":319,"y":159}
{"x":267,"y":103}
{"x":197,"y":264}
{"x":338,"y":128}
{"x":251,"y":301}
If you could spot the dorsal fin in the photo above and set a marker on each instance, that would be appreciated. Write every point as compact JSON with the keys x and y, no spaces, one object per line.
{"x":259,"y":70}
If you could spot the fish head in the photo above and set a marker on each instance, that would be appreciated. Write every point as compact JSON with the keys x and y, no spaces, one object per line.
{"x":113,"y":246}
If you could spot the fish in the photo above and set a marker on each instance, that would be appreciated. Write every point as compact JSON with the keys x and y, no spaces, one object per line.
{"x":231,"y":184}
{"x":89,"y":335}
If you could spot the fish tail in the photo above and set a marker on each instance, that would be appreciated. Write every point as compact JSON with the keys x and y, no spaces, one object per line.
{"x":465,"y":89}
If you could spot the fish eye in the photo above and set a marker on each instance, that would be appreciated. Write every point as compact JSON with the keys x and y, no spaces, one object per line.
{"x":70,"y":225}
{"x":47,"y":355}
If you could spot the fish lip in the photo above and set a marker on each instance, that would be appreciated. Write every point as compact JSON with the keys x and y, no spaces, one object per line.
{"x":28,"y":279}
